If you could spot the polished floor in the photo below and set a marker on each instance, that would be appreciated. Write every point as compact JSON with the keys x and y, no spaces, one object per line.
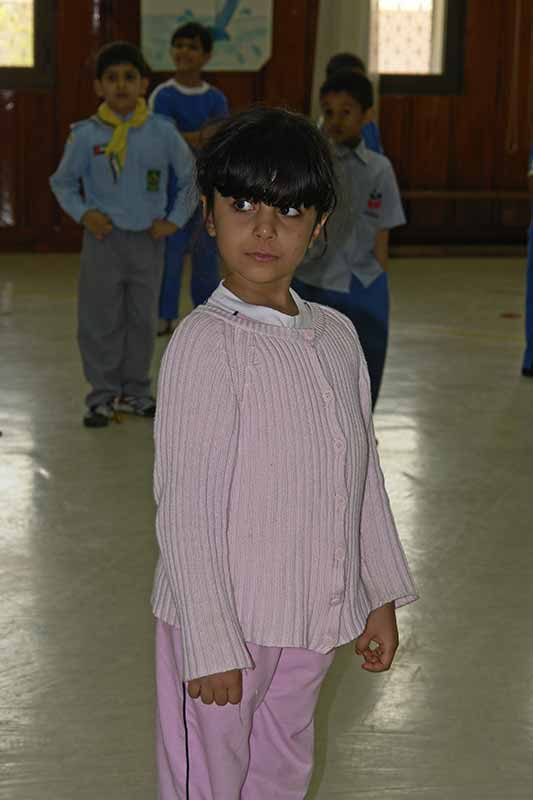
{"x":453,"y":720}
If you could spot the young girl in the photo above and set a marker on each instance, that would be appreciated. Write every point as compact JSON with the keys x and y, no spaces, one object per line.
{"x":275,"y":532}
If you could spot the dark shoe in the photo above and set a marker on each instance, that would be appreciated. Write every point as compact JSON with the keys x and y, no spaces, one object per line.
{"x":99,"y":416}
{"x":140,"y":406}
{"x":527,"y":372}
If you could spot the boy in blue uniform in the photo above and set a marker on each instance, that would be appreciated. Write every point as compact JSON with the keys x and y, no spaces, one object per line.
{"x":349,"y":274}
{"x":122,"y":156}
{"x":527,"y":367}
{"x":192,"y":104}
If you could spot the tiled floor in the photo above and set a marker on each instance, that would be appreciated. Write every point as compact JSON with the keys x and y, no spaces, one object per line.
{"x":452,"y":721}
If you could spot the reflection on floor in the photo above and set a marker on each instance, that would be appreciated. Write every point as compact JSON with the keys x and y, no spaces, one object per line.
{"x":452,"y":721}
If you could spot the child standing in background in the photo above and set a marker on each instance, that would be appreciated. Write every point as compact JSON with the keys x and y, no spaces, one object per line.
{"x":350,"y":274}
{"x":122,"y":156}
{"x":527,"y":367}
{"x":192,"y":104}
{"x":349,"y":61}
{"x":276,"y":538}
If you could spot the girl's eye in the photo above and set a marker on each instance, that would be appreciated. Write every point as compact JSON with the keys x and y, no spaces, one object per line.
{"x":242,"y":205}
{"x":289,"y":211}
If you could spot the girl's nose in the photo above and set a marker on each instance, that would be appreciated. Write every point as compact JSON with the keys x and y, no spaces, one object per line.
{"x":265,"y":222}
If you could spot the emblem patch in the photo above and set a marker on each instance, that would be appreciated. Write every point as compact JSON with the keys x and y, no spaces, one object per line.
{"x":153,"y":180}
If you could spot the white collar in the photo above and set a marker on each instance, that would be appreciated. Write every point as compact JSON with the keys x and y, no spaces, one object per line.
{"x":202,"y":89}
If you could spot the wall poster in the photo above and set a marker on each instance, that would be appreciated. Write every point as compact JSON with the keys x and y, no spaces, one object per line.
{"x":242,"y":30}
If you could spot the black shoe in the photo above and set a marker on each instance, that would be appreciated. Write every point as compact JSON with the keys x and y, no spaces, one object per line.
{"x":99,"y":416}
{"x":527,"y":372}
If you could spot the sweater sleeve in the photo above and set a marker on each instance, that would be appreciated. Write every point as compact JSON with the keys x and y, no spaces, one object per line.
{"x":384,"y":570}
{"x":196,"y":433}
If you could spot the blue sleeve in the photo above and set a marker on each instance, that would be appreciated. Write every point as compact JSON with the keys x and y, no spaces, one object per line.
{"x":372,"y":137}
{"x":65,"y":182}
{"x":161,"y":103}
{"x":183,"y":164}
{"x":220,"y":106}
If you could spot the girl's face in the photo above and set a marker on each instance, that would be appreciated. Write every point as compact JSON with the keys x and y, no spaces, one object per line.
{"x":261,"y":243}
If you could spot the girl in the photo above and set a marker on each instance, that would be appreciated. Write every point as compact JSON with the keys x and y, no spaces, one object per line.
{"x":276,"y":538}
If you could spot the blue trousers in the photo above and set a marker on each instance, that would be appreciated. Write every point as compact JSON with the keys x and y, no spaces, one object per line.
{"x":191,"y":238}
{"x":528,"y":355}
{"x":368,"y":309}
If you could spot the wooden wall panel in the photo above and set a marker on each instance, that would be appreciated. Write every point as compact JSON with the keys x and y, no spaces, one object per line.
{"x":461,"y":144}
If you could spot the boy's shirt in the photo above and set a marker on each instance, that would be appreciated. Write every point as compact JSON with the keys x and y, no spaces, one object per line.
{"x":368,"y":201}
{"x":189,"y":108}
{"x":138,"y":196}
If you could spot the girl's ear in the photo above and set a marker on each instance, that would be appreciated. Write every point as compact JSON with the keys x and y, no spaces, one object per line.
{"x":208,"y":217}
{"x":318,"y":229}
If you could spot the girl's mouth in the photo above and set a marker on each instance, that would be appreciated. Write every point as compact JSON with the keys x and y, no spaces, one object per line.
{"x":259,"y":255}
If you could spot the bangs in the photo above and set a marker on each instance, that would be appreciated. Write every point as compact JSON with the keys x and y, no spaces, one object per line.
{"x":270,"y":156}
{"x":270,"y":172}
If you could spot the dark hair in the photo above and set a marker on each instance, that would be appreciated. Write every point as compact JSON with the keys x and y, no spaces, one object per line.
{"x":120,"y":53}
{"x":344,"y":61}
{"x":193,"y":30}
{"x":355,"y":84}
{"x":269,"y":155}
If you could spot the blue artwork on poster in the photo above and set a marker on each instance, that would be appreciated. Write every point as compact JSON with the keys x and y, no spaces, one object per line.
{"x":242,"y":30}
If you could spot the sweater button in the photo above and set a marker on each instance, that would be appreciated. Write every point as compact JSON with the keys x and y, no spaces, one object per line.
{"x":338,"y":444}
{"x":308,"y":335}
{"x":340,"y":501}
{"x":340,"y":553}
{"x":335,"y":600}
{"x":327,"y":396}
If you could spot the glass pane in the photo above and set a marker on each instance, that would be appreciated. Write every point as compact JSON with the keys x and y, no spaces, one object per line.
{"x":411,"y":36}
{"x":16,"y":33}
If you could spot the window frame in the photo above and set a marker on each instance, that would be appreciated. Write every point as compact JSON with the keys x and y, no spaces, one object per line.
{"x":450,"y":81}
{"x":42,"y":74}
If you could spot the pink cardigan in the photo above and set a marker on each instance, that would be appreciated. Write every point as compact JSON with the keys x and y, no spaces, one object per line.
{"x":273,"y":522}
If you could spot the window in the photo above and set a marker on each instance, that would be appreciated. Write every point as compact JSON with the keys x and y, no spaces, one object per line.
{"x":419,"y":45}
{"x":26,"y":28}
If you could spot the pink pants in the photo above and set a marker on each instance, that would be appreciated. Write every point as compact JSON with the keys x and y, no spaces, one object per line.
{"x":261,"y":749}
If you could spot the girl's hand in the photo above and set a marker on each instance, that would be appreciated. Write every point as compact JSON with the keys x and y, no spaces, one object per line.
{"x":381,"y":629}
{"x":222,"y":688}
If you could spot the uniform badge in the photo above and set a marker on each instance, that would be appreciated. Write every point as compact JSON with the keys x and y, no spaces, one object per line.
{"x":99,"y":149}
{"x":153,"y":180}
{"x":374,"y":201}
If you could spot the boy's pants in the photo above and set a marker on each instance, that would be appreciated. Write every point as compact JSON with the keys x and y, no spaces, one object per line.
{"x":368,"y":309}
{"x":261,"y":749}
{"x":528,"y":355}
{"x":119,"y":285}
{"x":194,"y":238}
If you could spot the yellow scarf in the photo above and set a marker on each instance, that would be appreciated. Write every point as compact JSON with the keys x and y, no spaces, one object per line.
{"x":118,"y":146}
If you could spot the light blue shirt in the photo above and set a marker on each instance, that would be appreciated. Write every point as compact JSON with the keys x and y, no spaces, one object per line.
{"x":368,"y":201}
{"x":138,"y":196}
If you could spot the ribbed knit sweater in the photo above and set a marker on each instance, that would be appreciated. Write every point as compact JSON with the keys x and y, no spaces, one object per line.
{"x":273,"y":522}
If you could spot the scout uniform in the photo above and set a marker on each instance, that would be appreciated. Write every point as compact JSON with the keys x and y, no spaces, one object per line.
{"x":123,"y":165}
